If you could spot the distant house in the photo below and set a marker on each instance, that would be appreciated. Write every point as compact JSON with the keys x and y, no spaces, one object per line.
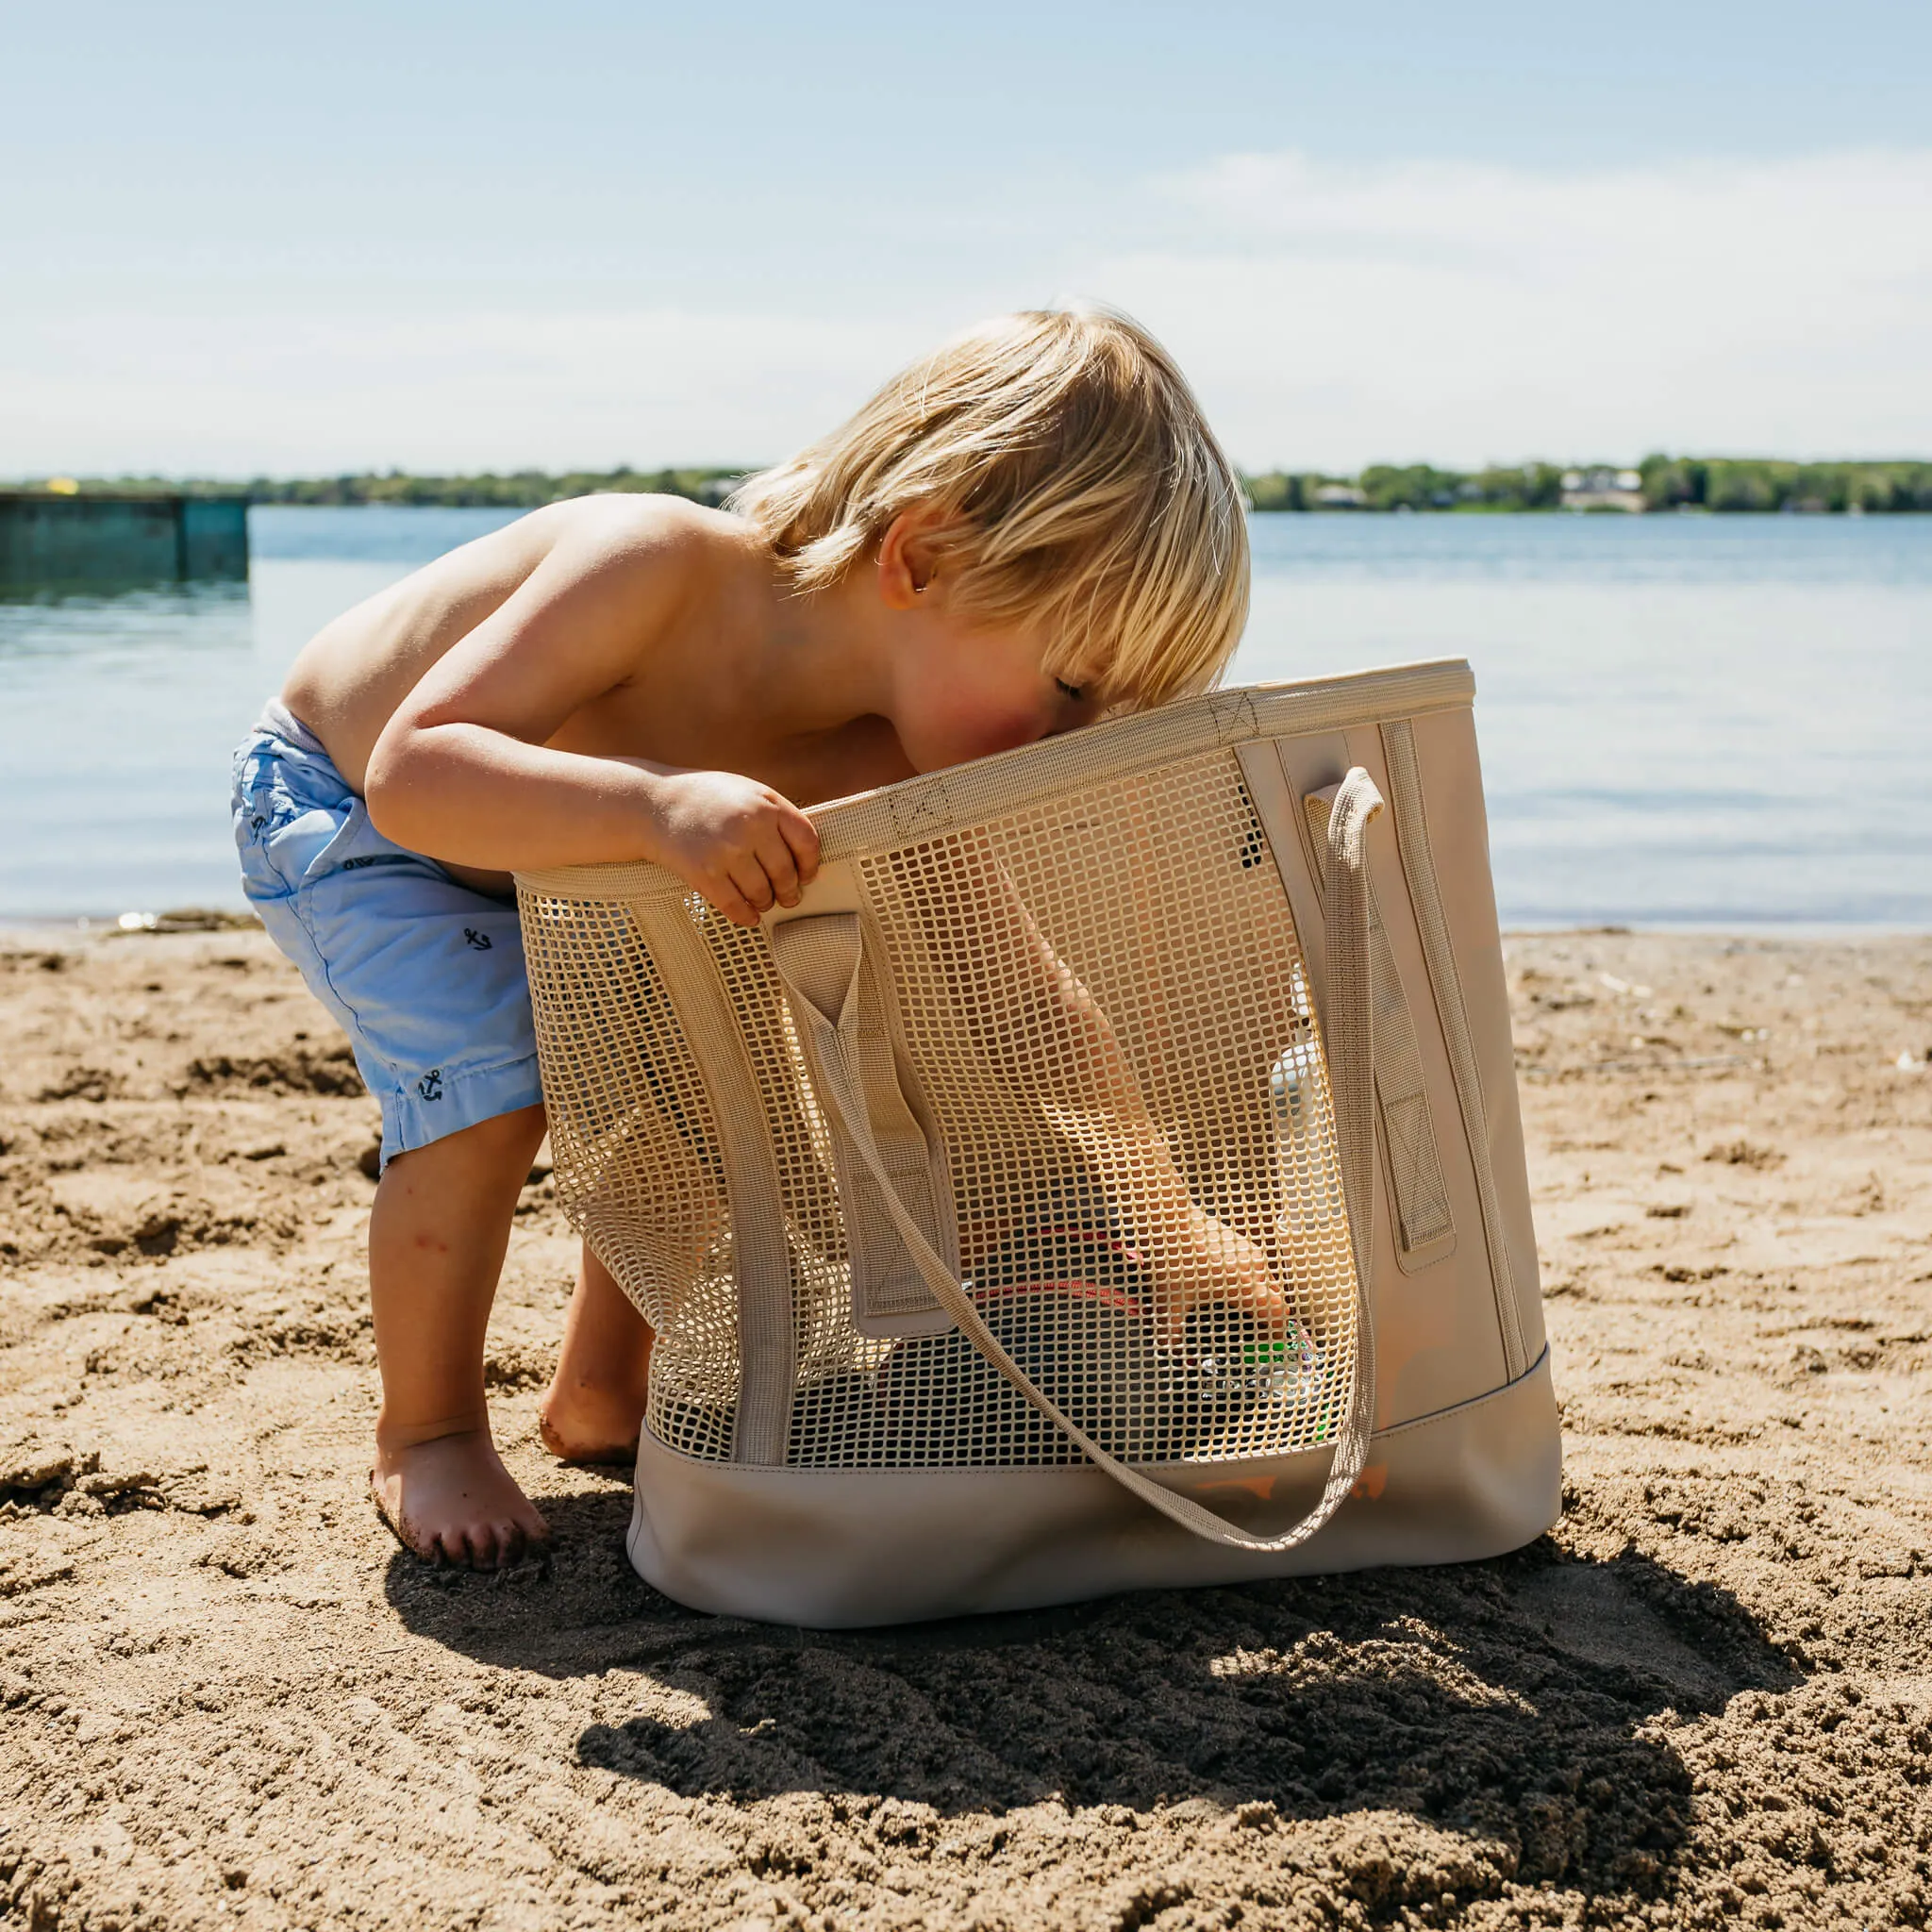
{"x":1340,"y":496}
{"x":1603,"y":489}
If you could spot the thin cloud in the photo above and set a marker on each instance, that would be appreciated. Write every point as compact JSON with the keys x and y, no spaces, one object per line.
{"x":1461,"y":312}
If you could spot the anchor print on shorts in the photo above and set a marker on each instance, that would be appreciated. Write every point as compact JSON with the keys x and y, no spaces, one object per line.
{"x":479,"y":940}
{"x":430,"y":1085}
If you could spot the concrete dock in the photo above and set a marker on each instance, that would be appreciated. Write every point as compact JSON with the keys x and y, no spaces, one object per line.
{"x":48,"y":538}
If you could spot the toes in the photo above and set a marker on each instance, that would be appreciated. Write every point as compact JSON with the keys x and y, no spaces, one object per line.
{"x":447,"y":1510}
{"x":462,"y":1546}
{"x":511,"y":1538}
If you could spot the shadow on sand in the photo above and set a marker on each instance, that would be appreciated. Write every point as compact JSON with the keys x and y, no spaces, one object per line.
{"x":1511,"y":1699}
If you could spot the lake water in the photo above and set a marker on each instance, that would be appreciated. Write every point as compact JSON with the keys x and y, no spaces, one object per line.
{"x":1685,"y":721}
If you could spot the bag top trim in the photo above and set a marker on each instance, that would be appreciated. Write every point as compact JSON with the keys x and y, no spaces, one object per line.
{"x":937,"y":803}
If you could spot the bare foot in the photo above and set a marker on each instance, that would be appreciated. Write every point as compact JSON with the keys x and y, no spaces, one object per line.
{"x":584,"y":1423}
{"x":452,"y":1501}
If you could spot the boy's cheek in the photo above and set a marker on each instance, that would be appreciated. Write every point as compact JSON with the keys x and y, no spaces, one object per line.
{"x":980,"y":736}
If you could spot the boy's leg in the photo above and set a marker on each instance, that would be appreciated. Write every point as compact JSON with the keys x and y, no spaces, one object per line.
{"x":427,"y":978}
{"x":594,"y":1405}
{"x":437,"y":1240}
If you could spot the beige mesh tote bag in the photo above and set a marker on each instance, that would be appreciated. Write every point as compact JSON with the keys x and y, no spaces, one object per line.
{"x":1108,"y":1176}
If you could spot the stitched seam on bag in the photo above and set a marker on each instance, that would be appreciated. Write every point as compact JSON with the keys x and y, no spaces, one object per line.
{"x":1475,"y":1401}
{"x":1426,"y":900}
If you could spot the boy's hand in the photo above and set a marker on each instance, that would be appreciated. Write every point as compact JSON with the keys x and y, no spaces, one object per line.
{"x":1200,"y":1262}
{"x":743,"y":845}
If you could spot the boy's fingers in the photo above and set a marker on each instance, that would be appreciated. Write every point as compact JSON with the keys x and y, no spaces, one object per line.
{"x":1271,"y":1309}
{"x":802,"y":837}
{"x":754,"y":888}
{"x":723,"y":892}
{"x":749,"y":876}
{"x":781,"y":868}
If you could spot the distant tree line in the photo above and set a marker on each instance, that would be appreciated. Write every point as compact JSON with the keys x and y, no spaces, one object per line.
{"x":1412,"y":485}
{"x":523,"y":490}
{"x":1730,"y":483}
{"x":1658,"y":483}
{"x":1662,"y":482}
{"x":519,"y":489}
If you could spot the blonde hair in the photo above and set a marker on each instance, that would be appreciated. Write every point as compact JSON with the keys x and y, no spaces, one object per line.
{"x":1074,"y":484}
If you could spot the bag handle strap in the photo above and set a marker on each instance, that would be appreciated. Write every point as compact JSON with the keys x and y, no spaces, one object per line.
{"x":815,"y":955}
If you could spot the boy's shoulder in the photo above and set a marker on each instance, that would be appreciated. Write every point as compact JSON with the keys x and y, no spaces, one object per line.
{"x":621,"y":519}
{"x":664,"y":545}
{"x":641,"y":565}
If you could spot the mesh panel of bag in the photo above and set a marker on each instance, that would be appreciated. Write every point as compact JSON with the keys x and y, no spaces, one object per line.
{"x":1103,"y":1008}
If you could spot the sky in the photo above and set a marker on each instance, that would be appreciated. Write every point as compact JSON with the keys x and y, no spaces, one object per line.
{"x":307,"y":239}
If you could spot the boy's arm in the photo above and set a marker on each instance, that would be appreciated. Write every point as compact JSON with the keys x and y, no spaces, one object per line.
{"x":462,"y":771}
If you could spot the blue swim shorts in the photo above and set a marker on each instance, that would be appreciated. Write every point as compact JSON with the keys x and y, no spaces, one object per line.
{"x":426,"y":976}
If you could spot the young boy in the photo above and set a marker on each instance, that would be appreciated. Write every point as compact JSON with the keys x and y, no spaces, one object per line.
{"x":1030,"y":528}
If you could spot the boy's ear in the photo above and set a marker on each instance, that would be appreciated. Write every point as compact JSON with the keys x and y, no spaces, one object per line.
{"x":907,"y":560}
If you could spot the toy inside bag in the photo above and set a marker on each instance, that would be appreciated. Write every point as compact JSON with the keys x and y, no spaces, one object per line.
{"x":1074,"y":1303}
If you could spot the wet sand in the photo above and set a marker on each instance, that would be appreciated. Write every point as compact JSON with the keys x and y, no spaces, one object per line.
{"x":226,"y":1698}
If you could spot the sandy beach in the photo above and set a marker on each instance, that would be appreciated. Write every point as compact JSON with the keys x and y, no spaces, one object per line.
{"x":228,"y":1698}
